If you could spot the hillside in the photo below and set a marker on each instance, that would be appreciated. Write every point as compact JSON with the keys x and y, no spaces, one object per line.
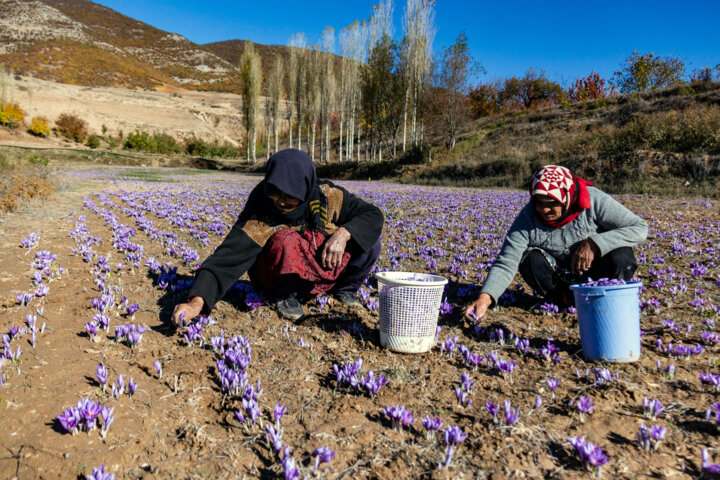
{"x":657,"y":141}
{"x":83,"y":43}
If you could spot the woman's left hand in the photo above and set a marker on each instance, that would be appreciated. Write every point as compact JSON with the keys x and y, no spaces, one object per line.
{"x":584,"y":256}
{"x":334,"y":249}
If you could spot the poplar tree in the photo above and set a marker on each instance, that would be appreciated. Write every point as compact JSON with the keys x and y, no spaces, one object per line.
{"x":311,"y":96}
{"x":352,"y":46}
{"x":416,"y":59}
{"x":327,"y":85}
{"x":252,"y":82}
{"x":290,"y":84}
{"x":275,"y":94}
{"x":379,"y":47}
{"x":298,"y":66}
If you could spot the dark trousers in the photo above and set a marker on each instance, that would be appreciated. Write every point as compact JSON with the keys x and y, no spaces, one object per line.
{"x":552,"y":281}
{"x":357,"y":269}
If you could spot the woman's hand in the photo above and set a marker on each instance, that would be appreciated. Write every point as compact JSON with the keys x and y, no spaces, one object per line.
{"x":184,"y":312}
{"x":476,"y":310}
{"x":584,"y":256}
{"x":334,"y":248}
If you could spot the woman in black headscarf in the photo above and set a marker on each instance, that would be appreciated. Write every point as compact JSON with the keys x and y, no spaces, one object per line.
{"x":296,"y":237}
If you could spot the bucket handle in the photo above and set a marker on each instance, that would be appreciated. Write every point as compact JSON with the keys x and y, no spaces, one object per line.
{"x":598,"y":294}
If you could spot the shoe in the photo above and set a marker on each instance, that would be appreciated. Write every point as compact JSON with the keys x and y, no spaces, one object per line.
{"x":347,"y":298}
{"x":290,"y":308}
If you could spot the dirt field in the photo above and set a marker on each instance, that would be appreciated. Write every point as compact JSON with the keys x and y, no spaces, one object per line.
{"x":184,"y":424}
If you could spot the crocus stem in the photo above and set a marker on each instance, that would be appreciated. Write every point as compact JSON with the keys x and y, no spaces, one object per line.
{"x":449,"y":455}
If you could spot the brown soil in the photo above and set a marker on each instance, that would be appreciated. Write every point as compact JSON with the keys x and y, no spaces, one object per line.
{"x":182,"y":426}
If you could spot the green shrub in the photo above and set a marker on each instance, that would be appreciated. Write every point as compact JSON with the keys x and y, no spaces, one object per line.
{"x":199,"y":147}
{"x":39,"y":127}
{"x":686,"y":90}
{"x":71,"y":127}
{"x":164,"y":143}
{"x":11,"y":115}
{"x":38,"y":160}
{"x":599,"y":103}
{"x":155,"y":143}
{"x":93,"y":141}
{"x":137,"y":140}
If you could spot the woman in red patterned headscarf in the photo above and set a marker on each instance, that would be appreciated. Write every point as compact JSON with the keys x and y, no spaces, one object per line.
{"x":567,"y":233}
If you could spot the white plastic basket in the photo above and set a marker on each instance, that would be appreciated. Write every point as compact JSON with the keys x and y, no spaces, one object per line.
{"x":409,"y":308}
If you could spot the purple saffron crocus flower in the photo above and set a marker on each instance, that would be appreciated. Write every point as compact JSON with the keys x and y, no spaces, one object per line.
{"x":12,"y":332}
{"x":583,"y":405}
{"x":322,"y":455}
{"x":538,"y":402}
{"x":463,"y":398}
{"x":131,"y":387}
{"x":399,"y":416}
{"x":552,"y":385}
{"x":591,"y":455}
{"x":278,"y":413}
{"x":120,"y":384}
{"x":709,"y":413}
{"x":371,"y":383}
{"x":505,"y":367}
{"x":446,"y":308}
{"x":158,"y":368}
{"x":653,"y":408}
{"x":91,"y":328}
{"x":100,"y":474}
{"x":452,"y":435}
{"x":322,"y":302}
{"x":708,"y":467}
{"x":603,"y":377}
{"x":274,"y":438}
{"x":107,"y":417}
{"x":431,"y":424}
{"x":492,"y":409}
{"x":101,"y":375}
{"x":240,"y":417}
{"x":288,"y":463}
{"x":511,"y":416}
{"x":41,"y":290}
{"x":449,"y":345}
{"x":710,"y":379}
{"x":253,"y":300}
{"x":466,"y":382}
{"x":651,"y":437}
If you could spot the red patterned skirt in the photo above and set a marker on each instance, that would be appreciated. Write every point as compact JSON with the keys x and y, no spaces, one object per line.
{"x":294,"y":255}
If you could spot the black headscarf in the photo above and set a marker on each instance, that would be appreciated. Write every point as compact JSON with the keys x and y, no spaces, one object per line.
{"x":292,"y":172}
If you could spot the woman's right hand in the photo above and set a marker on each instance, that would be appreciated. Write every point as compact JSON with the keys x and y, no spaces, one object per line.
{"x":476,"y":310}
{"x":184,"y":312}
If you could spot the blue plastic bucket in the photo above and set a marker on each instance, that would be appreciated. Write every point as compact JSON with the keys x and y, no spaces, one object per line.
{"x":609,"y":319}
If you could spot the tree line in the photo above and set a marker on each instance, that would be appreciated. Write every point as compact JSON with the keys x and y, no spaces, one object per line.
{"x":383,"y":98}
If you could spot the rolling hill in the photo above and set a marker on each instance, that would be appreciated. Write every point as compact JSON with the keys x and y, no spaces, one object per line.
{"x":84,"y":43}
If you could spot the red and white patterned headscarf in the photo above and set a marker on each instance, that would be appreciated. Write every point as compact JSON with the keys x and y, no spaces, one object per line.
{"x":555,"y":182}
{"x":560,"y":184}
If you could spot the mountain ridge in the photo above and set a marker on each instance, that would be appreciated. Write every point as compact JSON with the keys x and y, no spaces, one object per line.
{"x":85,"y":43}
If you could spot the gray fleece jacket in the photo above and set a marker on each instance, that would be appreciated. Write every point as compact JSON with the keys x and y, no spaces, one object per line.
{"x":609,"y":224}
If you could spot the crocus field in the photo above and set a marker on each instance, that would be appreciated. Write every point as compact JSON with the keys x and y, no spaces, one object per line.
{"x":96,"y":382}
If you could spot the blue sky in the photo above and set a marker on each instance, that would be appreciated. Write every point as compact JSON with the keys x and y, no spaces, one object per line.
{"x":567,"y":39}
